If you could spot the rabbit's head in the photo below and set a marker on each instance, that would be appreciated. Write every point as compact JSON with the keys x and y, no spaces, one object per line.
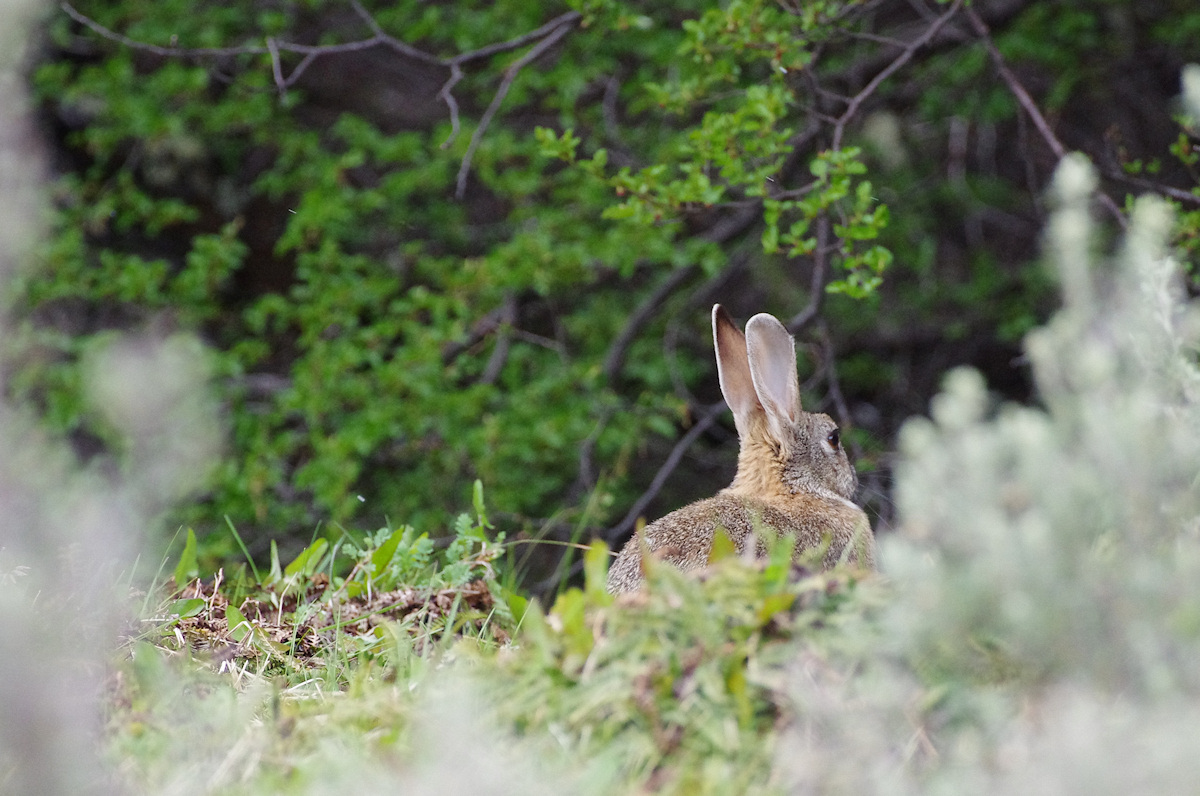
{"x":783,"y":448}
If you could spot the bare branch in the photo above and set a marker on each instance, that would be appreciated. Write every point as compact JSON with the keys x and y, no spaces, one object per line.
{"x":829,"y":364}
{"x":1022,"y":96}
{"x":276,"y":66}
{"x":479,"y":330}
{"x":816,"y":290}
{"x":112,"y":35}
{"x":504,"y":332}
{"x":219,"y":52}
{"x":904,"y":57}
{"x":614,"y":360}
{"x":299,"y":70}
{"x":399,"y":46}
{"x":709,"y":416}
{"x":1178,"y":194}
{"x":446,"y":95}
{"x":568,"y":19}
{"x":510,"y":74}
{"x":587,"y":469}
{"x":552,"y":29}
{"x":545,"y":37}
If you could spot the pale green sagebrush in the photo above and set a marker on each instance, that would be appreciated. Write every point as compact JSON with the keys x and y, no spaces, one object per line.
{"x":1045,"y":623}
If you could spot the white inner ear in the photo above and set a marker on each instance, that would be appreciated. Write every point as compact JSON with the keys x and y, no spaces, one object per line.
{"x":733,"y":370}
{"x":772,"y":358}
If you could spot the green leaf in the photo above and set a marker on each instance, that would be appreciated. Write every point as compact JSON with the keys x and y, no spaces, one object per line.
{"x":187,"y":568}
{"x":239,"y":628}
{"x":382,"y":558}
{"x":276,"y":573}
{"x":722,"y":547}
{"x":595,"y":573}
{"x":477,"y":500}
{"x":518,"y":604}
{"x":187,"y":608}
{"x":309,"y":559}
{"x":571,"y":610}
{"x":773,"y":604}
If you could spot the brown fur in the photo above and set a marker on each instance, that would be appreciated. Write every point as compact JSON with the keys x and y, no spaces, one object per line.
{"x":791,"y":479}
{"x":684,"y":538}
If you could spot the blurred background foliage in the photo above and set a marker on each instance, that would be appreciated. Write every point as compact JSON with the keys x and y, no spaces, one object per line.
{"x":425,"y":259}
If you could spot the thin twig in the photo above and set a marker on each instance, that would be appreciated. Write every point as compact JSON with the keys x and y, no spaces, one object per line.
{"x":816,"y":290}
{"x":1014,"y":85}
{"x":446,"y":96}
{"x":479,"y":330}
{"x":396,"y":44}
{"x":1166,"y":190}
{"x":904,"y":57}
{"x":567,"y":19}
{"x":510,"y":74}
{"x":829,"y":365}
{"x":276,"y":66}
{"x":921,"y":9}
{"x":299,"y":69}
{"x":709,"y":416}
{"x":587,"y":469}
{"x":545,"y":35}
{"x":1022,"y":96}
{"x":112,"y":35}
{"x":614,"y":359}
{"x":504,"y":333}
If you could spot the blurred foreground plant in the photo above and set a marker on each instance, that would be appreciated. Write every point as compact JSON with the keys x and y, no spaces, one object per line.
{"x":1045,"y":625}
{"x":677,"y":686}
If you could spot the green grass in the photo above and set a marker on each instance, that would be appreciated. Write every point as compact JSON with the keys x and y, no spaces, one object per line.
{"x":306,"y":677}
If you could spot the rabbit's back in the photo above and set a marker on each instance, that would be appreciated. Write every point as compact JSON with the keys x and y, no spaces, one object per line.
{"x":684,"y":537}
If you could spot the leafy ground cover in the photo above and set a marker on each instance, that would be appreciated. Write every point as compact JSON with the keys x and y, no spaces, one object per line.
{"x":673,"y":690}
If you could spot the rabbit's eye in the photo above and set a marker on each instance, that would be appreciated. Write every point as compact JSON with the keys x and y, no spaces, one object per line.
{"x":834,"y":439}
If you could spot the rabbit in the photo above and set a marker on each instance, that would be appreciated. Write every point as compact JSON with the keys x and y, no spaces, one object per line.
{"x":793,"y":476}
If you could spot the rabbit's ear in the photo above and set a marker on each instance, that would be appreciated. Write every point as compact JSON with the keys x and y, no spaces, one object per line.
{"x":771,"y":352}
{"x":733,"y":370}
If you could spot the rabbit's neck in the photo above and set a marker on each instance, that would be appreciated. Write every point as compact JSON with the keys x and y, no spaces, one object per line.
{"x":759,"y":472}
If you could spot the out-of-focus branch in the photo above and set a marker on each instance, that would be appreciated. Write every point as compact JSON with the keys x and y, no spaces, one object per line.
{"x":614,"y":359}
{"x":829,"y":364}
{"x":708,"y":416}
{"x":510,"y":74}
{"x":1026,"y":102}
{"x":499,"y":357}
{"x":899,"y":61}
{"x":1178,"y":194}
{"x":820,"y":272}
{"x":381,"y":37}
{"x":479,"y":330}
{"x":542,"y":39}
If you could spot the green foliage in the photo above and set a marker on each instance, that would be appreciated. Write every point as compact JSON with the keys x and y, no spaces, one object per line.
{"x":377,"y":601}
{"x":377,"y":371}
{"x":677,"y":690}
{"x":187,"y":568}
{"x":380,"y":344}
{"x":678,"y":683}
